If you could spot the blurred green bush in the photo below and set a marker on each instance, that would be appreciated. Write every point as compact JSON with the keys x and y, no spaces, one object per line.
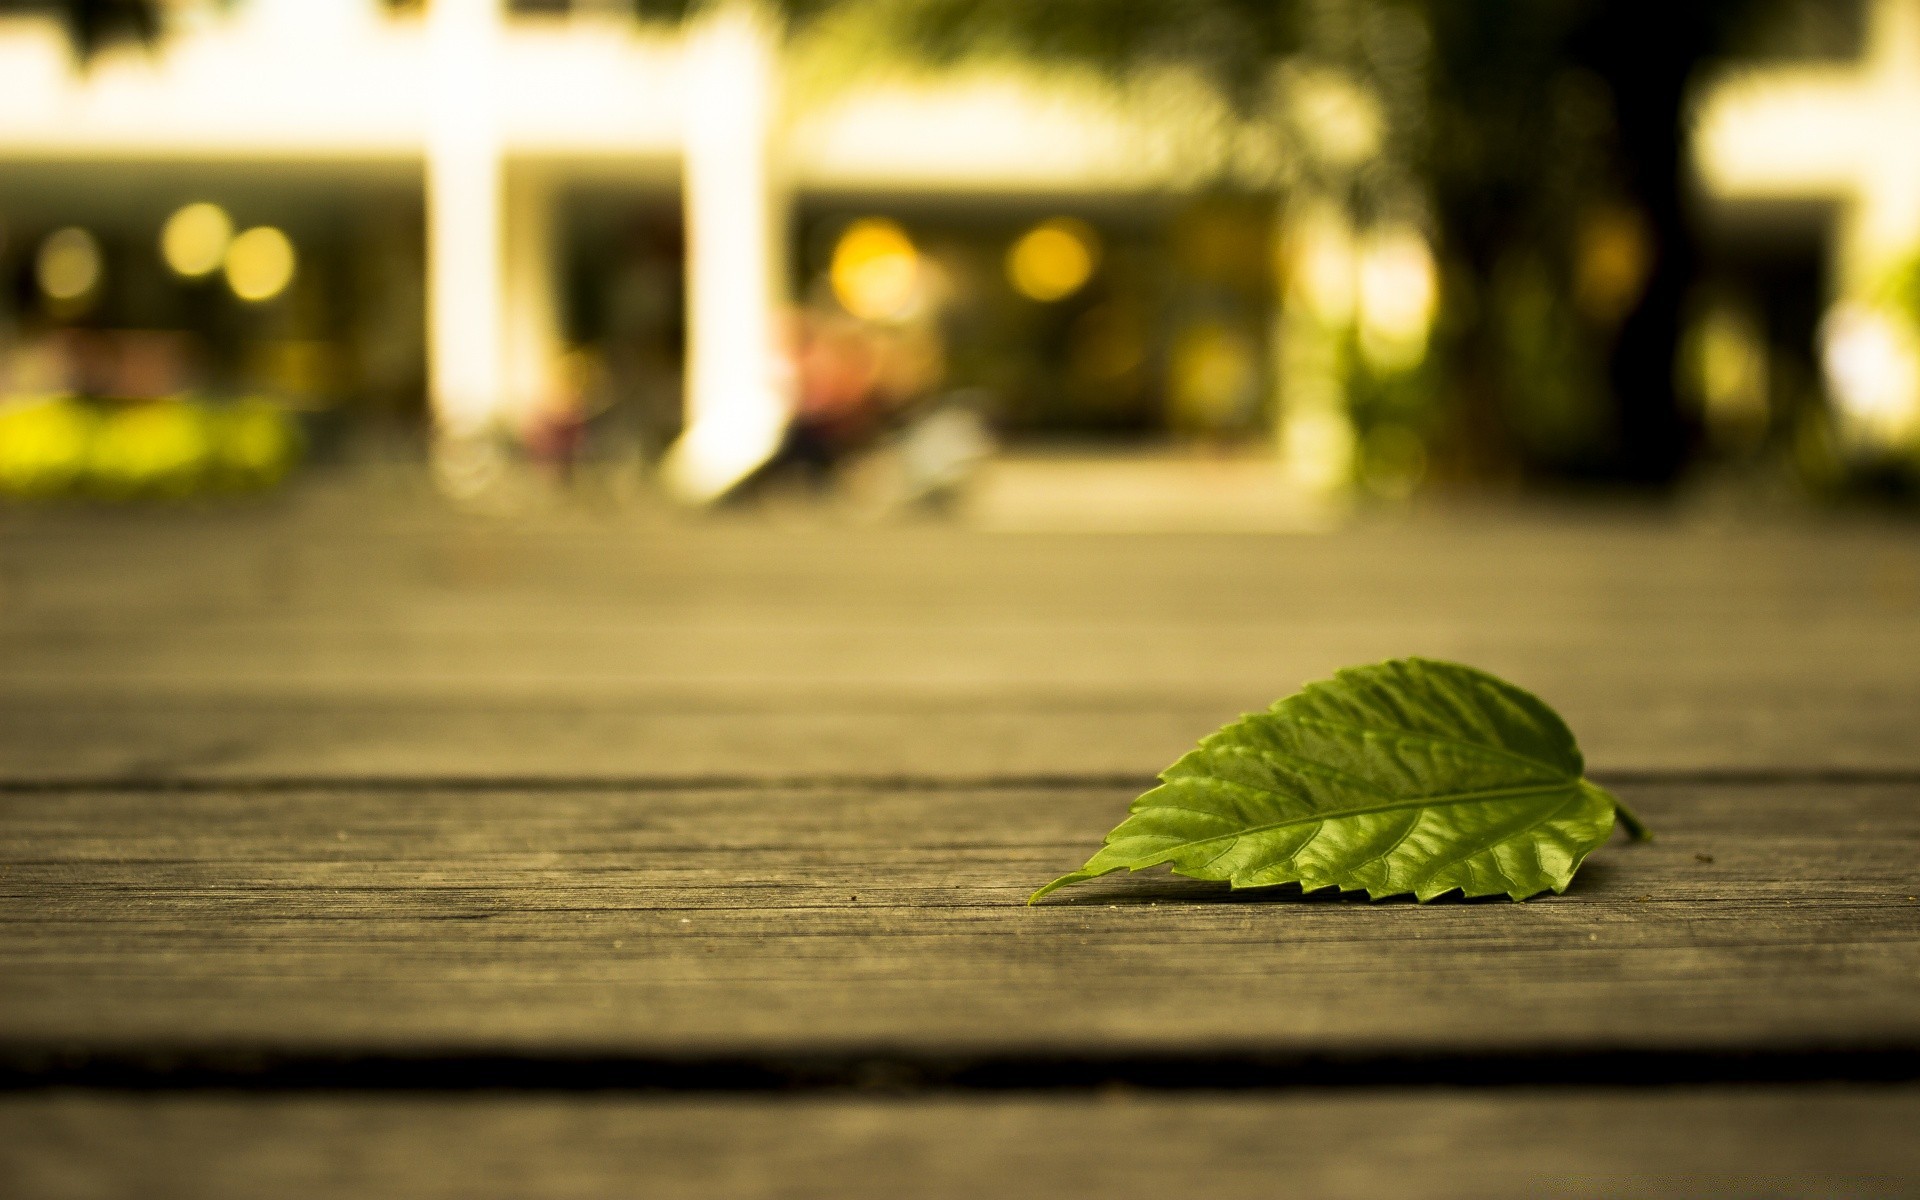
{"x":54,"y":446}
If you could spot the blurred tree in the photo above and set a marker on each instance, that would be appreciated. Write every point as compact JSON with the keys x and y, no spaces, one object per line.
{"x":94,"y":24}
{"x":1555,"y":161}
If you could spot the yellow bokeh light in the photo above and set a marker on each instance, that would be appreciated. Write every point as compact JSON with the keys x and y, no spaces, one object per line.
{"x":1726,"y":356}
{"x":260,"y":263}
{"x":43,"y":444}
{"x":1054,"y":259}
{"x":194,"y":240}
{"x":876,"y":271}
{"x":1398,"y":292}
{"x":1323,"y":265}
{"x":1872,"y":362}
{"x":69,"y":264}
{"x":1317,"y":449}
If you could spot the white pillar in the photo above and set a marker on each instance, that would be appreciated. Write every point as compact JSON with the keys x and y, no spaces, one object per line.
{"x":465,"y":359}
{"x":737,"y":388}
{"x":1882,"y":224}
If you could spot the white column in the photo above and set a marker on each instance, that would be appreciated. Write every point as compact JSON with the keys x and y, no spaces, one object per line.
{"x":737,"y":391}
{"x":465,"y":360}
{"x":1882,"y":225}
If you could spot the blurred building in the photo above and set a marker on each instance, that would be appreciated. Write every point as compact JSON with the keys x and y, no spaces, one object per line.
{"x":454,"y":201}
{"x":1810,"y":314}
{"x":553,"y":225}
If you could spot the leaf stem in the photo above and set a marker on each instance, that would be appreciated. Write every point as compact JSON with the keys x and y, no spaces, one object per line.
{"x":1636,"y":828}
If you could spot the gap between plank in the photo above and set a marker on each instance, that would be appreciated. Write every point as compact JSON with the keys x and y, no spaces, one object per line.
{"x":25,"y":1067}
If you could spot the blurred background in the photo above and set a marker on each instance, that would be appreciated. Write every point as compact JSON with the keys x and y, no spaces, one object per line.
{"x":1244,"y":262}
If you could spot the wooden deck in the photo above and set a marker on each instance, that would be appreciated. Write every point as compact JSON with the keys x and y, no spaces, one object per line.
{"x":353,"y":847}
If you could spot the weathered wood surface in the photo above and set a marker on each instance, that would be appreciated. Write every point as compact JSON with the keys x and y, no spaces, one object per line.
{"x":1733,"y":1142}
{"x":849,"y":920}
{"x":319,"y":638}
{"x":578,"y":787}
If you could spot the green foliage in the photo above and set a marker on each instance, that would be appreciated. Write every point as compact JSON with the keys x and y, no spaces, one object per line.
{"x":150,"y":449}
{"x":1410,"y":776}
{"x":254,"y":444}
{"x":92,"y":25}
{"x":53,"y":446}
{"x":44,"y":445}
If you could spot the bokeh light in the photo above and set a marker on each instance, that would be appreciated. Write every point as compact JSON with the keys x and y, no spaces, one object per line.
{"x":1054,"y":259}
{"x":1340,"y":118}
{"x":69,"y":267}
{"x":1872,"y":363}
{"x":1317,"y":449}
{"x":1726,"y":360}
{"x":1613,"y":258}
{"x":195,"y":238}
{"x":260,"y":264}
{"x":255,"y":443}
{"x":1322,"y":271}
{"x":1398,"y":290}
{"x":155,"y":449}
{"x":43,"y":445}
{"x":1214,"y":378}
{"x":57,"y":445}
{"x":876,"y":271}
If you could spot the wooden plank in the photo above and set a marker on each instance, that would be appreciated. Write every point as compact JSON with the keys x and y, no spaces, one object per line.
{"x":1820,"y":1141}
{"x":694,"y":734}
{"x":872,"y":919}
{"x":685,"y":737}
{"x":399,"y":640}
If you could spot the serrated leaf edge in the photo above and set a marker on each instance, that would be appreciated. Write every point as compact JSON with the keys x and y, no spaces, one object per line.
{"x":1558,"y":885}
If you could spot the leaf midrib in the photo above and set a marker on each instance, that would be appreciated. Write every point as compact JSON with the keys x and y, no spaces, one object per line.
{"x":1442,"y":800}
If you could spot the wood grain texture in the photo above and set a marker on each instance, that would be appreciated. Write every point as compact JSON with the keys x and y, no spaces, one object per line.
{"x":1733,"y":1142}
{"x":412,"y":908}
{"x":351,"y":633}
{"x":847,"y":919}
{"x":695,"y":735}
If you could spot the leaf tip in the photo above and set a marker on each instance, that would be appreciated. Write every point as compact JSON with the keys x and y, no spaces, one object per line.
{"x":1066,"y":880}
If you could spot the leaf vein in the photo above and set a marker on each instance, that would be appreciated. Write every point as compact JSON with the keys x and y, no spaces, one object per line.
{"x":1417,"y":802}
{"x":1453,"y":860}
{"x":1418,"y":815}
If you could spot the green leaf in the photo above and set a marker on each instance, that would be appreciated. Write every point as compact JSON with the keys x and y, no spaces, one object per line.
{"x":1410,"y":776}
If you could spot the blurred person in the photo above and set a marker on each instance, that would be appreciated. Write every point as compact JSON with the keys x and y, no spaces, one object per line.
{"x":858,"y":381}
{"x":838,"y":399}
{"x":554,"y":433}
